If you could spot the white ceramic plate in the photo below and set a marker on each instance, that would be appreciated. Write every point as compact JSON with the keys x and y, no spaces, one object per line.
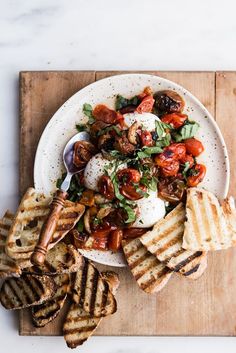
{"x":48,"y":161}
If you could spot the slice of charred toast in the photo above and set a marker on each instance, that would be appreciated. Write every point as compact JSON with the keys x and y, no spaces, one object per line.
{"x":28,"y":290}
{"x":151,"y":274}
{"x":165,"y":242}
{"x":8,"y":267}
{"x":209,"y":225}
{"x":91,"y":292}
{"x":44,"y":313}
{"x":30,"y":216}
{"x":63,"y":258}
{"x":80,"y":325}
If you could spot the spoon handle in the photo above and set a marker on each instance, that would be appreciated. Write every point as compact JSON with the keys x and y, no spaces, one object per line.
{"x":48,"y":228}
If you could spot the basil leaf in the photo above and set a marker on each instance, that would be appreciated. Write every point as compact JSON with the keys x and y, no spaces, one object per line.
{"x":130,"y":213}
{"x":165,"y":141}
{"x":161,"y":128}
{"x":81,"y":127}
{"x":185,"y":170}
{"x":122,"y":102}
{"x":193,"y":172}
{"x":88,"y":111}
{"x":80,"y":225}
{"x":187,"y":131}
{"x":109,"y":128}
{"x":148,"y":151}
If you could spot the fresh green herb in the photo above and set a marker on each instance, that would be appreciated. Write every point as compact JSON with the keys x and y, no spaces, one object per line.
{"x":122,"y":102}
{"x":75,"y":189}
{"x":80,"y":225}
{"x":88,"y":111}
{"x":97,"y":221}
{"x":193,"y":172}
{"x":165,"y":141}
{"x":150,"y":183}
{"x":130,"y":212}
{"x":161,"y":128}
{"x":187,"y":131}
{"x":140,"y":191}
{"x":109,"y":128}
{"x":148,"y":151}
{"x":81,"y":127}
{"x":186,"y":169}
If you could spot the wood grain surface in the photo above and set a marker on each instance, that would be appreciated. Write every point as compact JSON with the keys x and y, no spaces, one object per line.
{"x":184,"y":307}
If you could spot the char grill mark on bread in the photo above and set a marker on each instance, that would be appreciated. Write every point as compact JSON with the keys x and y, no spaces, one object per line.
{"x":209,"y":225}
{"x":28,"y":290}
{"x":165,"y":242}
{"x":31,"y":214}
{"x":8,"y":267}
{"x":48,"y":311}
{"x":92,"y":292}
{"x":150,"y":274}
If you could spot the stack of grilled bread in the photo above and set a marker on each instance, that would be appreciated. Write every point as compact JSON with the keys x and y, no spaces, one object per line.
{"x":180,"y":241}
{"x":65,"y":273}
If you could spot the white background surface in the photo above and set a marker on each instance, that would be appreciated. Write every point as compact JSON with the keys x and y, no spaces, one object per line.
{"x":101,"y":35}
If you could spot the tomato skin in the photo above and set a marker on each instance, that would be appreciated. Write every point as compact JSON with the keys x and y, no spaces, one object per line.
{"x":129,"y":175}
{"x":102,"y":113}
{"x":106,"y":187}
{"x":146,"y":138}
{"x":115,"y":238}
{"x":194,"y":180}
{"x":146,"y":105}
{"x":194,"y":147}
{"x":178,"y":149}
{"x":187,"y":159}
{"x":130,"y":193}
{"x":100,"y":243}
{"x":174,"y":152}
{"x":171,"y":170}
{"x":129,"y":233}
{"x":176,"y":120}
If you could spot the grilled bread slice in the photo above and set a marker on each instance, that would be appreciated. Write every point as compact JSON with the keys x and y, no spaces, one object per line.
{"x":209,"y":225}
{"x":63,"y":258}
{"x":91,"y":292}
{"x":28,"y":222}
{"x":8,"y":267}
{"x":165,"y":242}
{"x":48,"y":311}
{"x":80,"y":325}
{"x":150,"y":274}
{"x":28,"y":290}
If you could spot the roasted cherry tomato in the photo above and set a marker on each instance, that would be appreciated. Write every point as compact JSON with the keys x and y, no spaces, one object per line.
{"x":176,"y":120}
{"x":146,"y":92}
{"x":194,"y":146}
{"x":171,"y":189}
{"x":198,"y":172}
{"x":133,"y":232}
{"x":165,"y":158}
{"x":171,"y":170}
{"x":187,"y":159}
{"x":100,"y":243}
{"x":146,"y":138}
{"x":106,"y":187}
{"x":131,"y":193}
{"x":102,"y":230}
{"x":103,"y":113}
{"x":128,"y":175}
{"x":115,"y":238}
{"x":146,"y":105}
{"x":178,"y":149}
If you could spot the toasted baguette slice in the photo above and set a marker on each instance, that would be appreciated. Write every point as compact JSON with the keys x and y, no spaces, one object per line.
{"x":165,"y":242}
{"x":63,"y":258}
{"x":92,"y":292}
{"x":8,"y":267}
{"x":48,"y":311}
{"x":28,"y":290}
{"x":209,"y":226}
{"x":150,"y":274}
{"x":80,"y":325}
{"x":28,"y":222}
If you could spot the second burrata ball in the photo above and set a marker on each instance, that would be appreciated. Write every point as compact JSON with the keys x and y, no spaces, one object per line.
{"x":96,"y":168}
{"x":147,"y":120}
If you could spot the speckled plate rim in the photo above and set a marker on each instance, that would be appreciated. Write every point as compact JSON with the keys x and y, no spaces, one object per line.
{"x":85,"y":91}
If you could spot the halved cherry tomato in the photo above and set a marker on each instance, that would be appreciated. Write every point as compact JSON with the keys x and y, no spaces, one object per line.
{"x":106,"y":187}
{"x":200,"y":171}
{"x":194,"y":146}
{"x":146,"y":92}
{"x":100,"y":243}
{"x":146,"y":105}
{"x":133,"y":232}
{"x":102,"y":230}
{"x":146,"y":138}
{"x":131,"y":193}
{"x":171,"y":170}
{"x":102,"y":113}
{"x":165,"y":158}
{"x":115,"y":238}
{"x":178,"y":149}
{"x":187,"y":159}
{"x":174,"y":119}
{"x":129,"y":175}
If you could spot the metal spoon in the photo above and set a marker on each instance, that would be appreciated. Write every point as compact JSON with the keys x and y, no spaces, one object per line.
{"x":49,"y":226}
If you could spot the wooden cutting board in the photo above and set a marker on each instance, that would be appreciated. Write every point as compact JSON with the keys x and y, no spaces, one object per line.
{"x":204,"y":307}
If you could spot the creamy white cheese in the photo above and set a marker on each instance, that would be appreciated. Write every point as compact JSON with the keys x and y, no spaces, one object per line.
{"x":147,"y":120}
